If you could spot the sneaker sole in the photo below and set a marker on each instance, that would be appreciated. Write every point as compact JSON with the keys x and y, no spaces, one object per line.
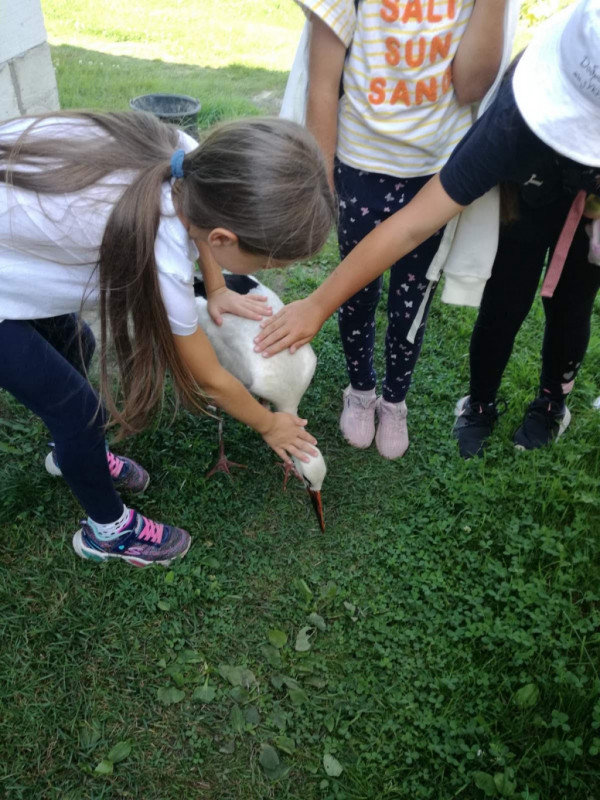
{"x":563,"y":425}
{"x":93,"y":555}
{"x":128,"y":489}
{"x":458,"y":410}
{"x":460,"y":405}
{"x":395,"y":456}
{"x":364,"y":445}
{"x":51,"y":467}
{"x":354,"y":444}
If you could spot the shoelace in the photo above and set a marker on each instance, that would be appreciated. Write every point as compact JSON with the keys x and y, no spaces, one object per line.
{"x":544,"y":413}
{"x":478,"y":409}
{"x":151,"y":531}
{"x":115,"y":464}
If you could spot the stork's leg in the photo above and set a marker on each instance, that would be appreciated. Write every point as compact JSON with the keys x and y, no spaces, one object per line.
{"x":222,"y":464}
{"x":289,"y":469}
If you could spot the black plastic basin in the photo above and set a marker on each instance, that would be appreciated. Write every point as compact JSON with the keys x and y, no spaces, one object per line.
{"x":178,"y":109}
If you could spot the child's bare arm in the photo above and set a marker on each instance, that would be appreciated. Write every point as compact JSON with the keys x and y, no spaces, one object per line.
{"x":479,"y":53}
{"x":326,"y":63}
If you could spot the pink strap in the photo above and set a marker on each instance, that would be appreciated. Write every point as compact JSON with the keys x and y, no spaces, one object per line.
{"x":563,"y":244}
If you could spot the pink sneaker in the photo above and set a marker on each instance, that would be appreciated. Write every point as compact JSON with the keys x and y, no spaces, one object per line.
{"x":392,"y":432}
{"x":140,"y":542}
{"x":126,"y":473}
{"x":357,"y":422}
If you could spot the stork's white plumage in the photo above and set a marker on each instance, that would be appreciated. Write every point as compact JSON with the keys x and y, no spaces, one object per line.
{"x":281,"y":380}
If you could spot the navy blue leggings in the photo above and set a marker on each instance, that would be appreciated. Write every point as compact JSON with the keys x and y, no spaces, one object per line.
{"x":509,"y":295}
{"x":42,"y":365}
{"x":366,"y":199}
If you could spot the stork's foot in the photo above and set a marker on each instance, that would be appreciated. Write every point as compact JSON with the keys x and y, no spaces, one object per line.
{"x":223,"y":464}
{"x":289,"y":469}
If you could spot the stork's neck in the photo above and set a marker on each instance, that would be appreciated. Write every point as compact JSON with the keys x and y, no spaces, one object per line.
{"x":291,"y":409}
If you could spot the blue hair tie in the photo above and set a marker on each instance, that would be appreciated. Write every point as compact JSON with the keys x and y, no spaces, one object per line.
{"x":177,"y":163}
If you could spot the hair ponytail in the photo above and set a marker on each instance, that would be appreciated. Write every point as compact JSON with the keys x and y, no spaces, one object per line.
{"x":131,"y":306}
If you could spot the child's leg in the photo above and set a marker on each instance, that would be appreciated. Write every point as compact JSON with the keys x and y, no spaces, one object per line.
{"x":73,"y":339}
{"x":356,"y":318}
{"x":408,"y":285}
{"x":46,"y":383}
{"x":507,"y":298}
{"x":71,"y":336}
{"x":568,"y":315}
{"x":506,"y":301}
{"x":361,"y":202}
{"x":356,"y":322}
{"x":366,"y":199}
{"x":566,"y":337}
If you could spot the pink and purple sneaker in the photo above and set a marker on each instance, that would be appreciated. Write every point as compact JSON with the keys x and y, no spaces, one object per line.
{"x":357,"y":421}
{"x":141,"y":542}
{"x":127,"y":474}
{"x":392,"y":432}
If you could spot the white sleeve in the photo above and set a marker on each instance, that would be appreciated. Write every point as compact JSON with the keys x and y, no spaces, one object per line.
{"x":339,"y":15}
{"x":180,"y":303}
{"x":187,"y":142}
{"x":176,"y":257}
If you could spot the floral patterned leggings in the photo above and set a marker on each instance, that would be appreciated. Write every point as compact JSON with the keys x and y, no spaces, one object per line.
{"x":365,"y":200}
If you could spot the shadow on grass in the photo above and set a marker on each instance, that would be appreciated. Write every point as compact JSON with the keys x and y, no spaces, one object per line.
{"x":92,"y":79}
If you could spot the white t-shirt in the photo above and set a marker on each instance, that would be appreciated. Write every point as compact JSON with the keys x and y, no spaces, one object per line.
{"x":398,"y":115}
{"x":49,"y":244}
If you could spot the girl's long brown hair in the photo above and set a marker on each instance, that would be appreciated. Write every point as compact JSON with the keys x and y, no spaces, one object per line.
{"x":263,"y":179}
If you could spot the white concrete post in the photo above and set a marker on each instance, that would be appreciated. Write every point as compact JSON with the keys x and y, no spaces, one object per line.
{"x":27,"y":80}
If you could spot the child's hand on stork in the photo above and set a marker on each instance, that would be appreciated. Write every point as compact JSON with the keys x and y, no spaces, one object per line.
{"x":287,"y":436}
{"x":291,"y":327}
{"x":224,"y":301}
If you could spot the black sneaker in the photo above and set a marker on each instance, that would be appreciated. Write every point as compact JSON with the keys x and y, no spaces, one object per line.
{"x":544,"y":421}
{"x":474,"y":425}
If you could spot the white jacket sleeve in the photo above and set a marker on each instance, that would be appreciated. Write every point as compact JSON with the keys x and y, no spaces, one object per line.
{"x":472,"y":251}
{"x":293,"y":105}
{"x":468,"y":247}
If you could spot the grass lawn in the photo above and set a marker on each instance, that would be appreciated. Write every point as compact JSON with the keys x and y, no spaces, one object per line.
{"x":452,"y":607}
{"x":233,"y":55}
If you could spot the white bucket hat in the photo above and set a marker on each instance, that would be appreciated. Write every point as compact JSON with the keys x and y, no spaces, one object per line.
{"x":557,"y":83}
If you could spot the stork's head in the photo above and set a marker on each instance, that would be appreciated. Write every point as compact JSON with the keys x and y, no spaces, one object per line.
{"x":313,"y":474}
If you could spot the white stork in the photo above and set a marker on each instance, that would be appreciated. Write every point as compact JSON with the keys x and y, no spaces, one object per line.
{"x":280,"y":380}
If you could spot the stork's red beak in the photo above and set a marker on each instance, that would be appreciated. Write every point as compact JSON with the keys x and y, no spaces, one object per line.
{"x":317,"y":503}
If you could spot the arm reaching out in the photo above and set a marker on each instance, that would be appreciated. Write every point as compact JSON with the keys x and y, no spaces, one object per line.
{"x":298,"y":323}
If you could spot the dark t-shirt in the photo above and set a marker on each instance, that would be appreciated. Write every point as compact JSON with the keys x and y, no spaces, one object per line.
{"x":501,"y":148}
